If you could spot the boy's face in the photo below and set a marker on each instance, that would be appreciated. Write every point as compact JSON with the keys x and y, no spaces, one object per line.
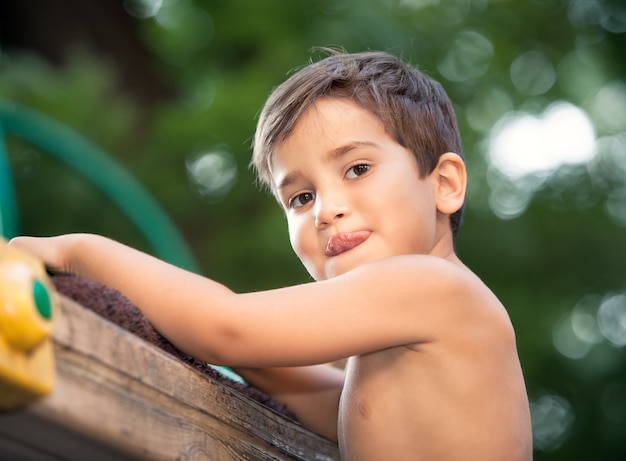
{"x":351,"y":194}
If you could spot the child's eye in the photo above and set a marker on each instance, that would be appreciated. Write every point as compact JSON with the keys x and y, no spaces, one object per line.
{"x":301,"y":199}
{"x":357,"y":170}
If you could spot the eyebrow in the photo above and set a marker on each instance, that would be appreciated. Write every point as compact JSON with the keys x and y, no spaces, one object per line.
{"x":287,"y":180}
{"x":333,"y":154}
{"x":343,"y":150}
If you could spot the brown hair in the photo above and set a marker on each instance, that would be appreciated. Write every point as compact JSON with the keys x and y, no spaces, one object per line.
{"x":414,"y":109}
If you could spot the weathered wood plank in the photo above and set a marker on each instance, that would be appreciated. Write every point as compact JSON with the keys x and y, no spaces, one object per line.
{"x":117,"y":397}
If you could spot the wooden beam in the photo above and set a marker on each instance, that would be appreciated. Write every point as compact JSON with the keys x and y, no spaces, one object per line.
{"x":116,"y":397}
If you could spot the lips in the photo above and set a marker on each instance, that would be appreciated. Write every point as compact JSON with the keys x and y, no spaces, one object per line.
{"x":340,"y":243}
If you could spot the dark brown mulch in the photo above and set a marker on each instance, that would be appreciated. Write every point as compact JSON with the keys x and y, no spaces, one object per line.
{"x":113,"y":306}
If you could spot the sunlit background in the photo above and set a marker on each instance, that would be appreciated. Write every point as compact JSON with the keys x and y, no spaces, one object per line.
{"x":171,"y":90}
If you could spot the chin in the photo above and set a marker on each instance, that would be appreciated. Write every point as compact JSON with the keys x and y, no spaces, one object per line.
{"x":315,"y":272}
{"x":340,"y":266}
{"x":324,"y":273}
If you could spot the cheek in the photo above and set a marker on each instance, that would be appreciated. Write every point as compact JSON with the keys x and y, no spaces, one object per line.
{"x":296,"y":237}
{"x":303,"y":250}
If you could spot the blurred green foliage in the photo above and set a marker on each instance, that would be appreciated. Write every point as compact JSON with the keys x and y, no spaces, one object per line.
{"x":558,"y":265}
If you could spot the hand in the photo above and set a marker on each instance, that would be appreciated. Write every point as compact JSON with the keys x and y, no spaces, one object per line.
{"x":55,"y":252}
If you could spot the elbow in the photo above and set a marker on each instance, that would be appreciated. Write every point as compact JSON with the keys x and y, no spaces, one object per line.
{"x":218,"y":332}
{"x":222,"y":348}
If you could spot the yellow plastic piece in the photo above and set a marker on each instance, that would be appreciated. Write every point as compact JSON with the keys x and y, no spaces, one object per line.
{"x":28,"y":306}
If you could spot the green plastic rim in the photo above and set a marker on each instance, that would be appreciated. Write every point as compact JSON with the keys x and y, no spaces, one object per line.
{"x":42,"y":299}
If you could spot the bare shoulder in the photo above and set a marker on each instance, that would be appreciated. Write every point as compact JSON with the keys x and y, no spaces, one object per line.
{"x":441,"y":299}
{"x":431,"y":283}
{"x":442,"y":274}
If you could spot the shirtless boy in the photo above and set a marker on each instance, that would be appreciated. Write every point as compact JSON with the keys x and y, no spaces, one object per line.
{"x":363,"y":154}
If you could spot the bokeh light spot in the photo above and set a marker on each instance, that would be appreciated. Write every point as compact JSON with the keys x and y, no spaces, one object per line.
{"x":576,"y":332}
{"x":213,"y":173}
{"x":532,"y":73}
{"x":467,"y":58}
{"x":607,"y":108}
{"x":616,"y":206}
{"x":567,"y":342}
{"x":608,"y":170}
{"x":552,"y":417}
{"x":509,"y":199}
{"x":522,"y":144}
{"x":143,"y":9}
{"x":612,"y":319}
{"x":583,"y":318}
{"x":486,"y":108}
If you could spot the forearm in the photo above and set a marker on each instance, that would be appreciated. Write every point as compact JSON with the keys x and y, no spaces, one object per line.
{"x":311,"y":393}
{"x":174,"y":300}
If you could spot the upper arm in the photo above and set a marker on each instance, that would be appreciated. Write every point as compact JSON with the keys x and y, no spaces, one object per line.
{"x":392,"y":302}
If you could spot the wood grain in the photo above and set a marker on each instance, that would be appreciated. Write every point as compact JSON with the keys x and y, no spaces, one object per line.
{"x":117,"y":397}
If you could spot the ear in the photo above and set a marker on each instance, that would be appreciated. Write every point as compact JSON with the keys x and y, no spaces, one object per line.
{"x":451,"y":182}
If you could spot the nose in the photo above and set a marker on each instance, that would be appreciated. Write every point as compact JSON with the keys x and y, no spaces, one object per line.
{"x":329,"y":209}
